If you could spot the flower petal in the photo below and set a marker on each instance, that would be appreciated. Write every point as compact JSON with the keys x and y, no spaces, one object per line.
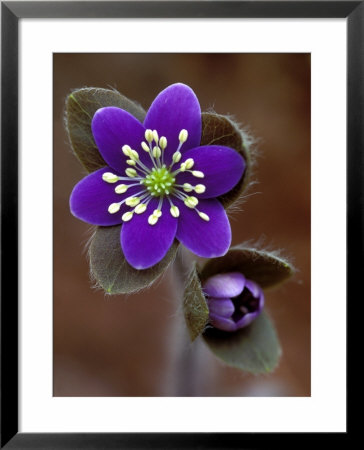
{"x":174,"y":109}
{"x":222,"y":167}
{"x":206,"y":239}
{"x":221,"y":306}
{"x":145,"y":245}
{"x":92,"y":196}
{"x":222,"y":323}
{"x":224,"y":285}
{"x":112,"y":128}
{"x":247,"y":319}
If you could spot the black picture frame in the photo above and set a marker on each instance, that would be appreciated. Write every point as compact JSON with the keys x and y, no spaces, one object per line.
{"x":11,"y":12}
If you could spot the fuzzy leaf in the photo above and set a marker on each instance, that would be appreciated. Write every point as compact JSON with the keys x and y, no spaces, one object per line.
{"x":254,"y":349}
{"x":81,"y":106}
{"x":194,"y":305}
{"x":220,"y":130}
{"x":111,"y":270}
{"x":263,"y":267}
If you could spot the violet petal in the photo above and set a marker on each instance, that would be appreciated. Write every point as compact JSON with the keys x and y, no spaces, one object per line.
{"x":224,"y":285}
{"x":221,"y":306}
{"x":92,"y":196}
{"x":206,"y":239}
{"x":112,"y":128}
{"x":223,"y":167}
{"x":174,"y":109}
{"x":145,"y":245}
{"x":222,"y":323}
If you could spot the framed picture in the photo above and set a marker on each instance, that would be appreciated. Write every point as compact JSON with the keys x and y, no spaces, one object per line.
{"x":164,"y":353}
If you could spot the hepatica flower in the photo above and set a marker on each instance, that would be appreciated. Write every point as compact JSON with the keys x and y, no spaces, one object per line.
{"x":233,"y":301}
{"x":159,"y":183}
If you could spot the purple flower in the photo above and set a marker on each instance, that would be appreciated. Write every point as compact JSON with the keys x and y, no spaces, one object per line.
{"x":159,"y":182}
{"x":233,"y":301}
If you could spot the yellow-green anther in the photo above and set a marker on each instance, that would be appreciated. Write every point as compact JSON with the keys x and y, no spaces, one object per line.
{"x":134,"y":154}
{"x":174,"y":211}
{"x":140,"y":208}
{"x":157,"y":212}
{"x":183,"y":167}
{"x":131,"y":162}
{"x":121,"y":188}
{"x":157,"y":152}
{"x":131,"y":172}
{"x":126,"y":150}
{"x":198,"y":174}
{"x":176,"y":157}
{"x":187,"y":187}
{"x":189,"y":163}
{"x":204,"y":216}
{"x":114,"y":208}
{"x":200,"y":188}
{"x":110,"y":177}
{"x":152,"y":219}
{"x":191,"y":202}
{"x":145,"y":146}
{"x":155,"y":136}
{"x":148,"y":135}
{"x":183,"y":135}
{"x":127,"y":216}
{"x":163,"y":142}
{"x":132,"y":201}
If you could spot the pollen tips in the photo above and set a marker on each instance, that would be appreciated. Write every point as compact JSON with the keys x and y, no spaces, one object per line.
{"x":157,"y":212}
{"x":131,"y":162}
{"x":110,"y":177}
{"x":121,"y":188}
{"x":187,"y":187}
{"x":132,"y":201}
{"x":126,"y":150}
{"x":152,"y":219}
{"x":198,"y":174}
{"x":189,"y":163}
{"x":140,"y":208}
{"x":200,"y":188}
{"x":157,"y":152}
{"x":163,"y":142}
{"x":191,"y":202}
{"x":155,"y":136}
{"x":114,"y":208}
{"x":127,"y":216}
{"x":145,"y":146}
{"x":148,"y":135}
{"x":183,"y":136}
{"x":204,"y":216}
{"x":174,"y":211}
{"x":131,"y":172}
{"x":176,"y":157}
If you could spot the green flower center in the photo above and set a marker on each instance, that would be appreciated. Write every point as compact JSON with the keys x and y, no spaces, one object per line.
{"x":159,"y":182}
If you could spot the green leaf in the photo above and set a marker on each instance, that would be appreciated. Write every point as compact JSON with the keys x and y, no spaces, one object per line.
{"x":221,"y":130}
{"x":81,"y":106}
{"x":110,"y":269}
{"x":194,"y":305}
{"x":254,"y":349}
{"x":265,"y":268}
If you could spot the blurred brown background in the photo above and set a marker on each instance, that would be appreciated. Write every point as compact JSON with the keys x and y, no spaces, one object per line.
{"x":136,"y":345}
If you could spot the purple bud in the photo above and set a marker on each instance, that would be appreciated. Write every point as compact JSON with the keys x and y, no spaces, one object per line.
{"x":233,"y":301}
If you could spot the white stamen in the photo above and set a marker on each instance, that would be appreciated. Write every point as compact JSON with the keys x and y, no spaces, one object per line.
{"x":110,"y":177}
{"x":200,"y":188}
{"x":198,"y":174}
{"x":145,"y":146}
{"x":183,"y":167}
{"x":183,"y":136}
{"x":127,"y":216}
{"x":140,"y":208}
{"x":189,"y":163}
{"x":121,"y":188}
{"x":131,"y":172}
{"x":126,"y":150}
{"x":157,"y":212}
{"x":155,"y":136}
{"x":176,"y":157}
{"x":114,"y":208}
{"x":152,"y":219}
{"x":204,"y":216}
{"x":148,"y":135}
{"x":187,"y":187}
{"x":191,"y":202}
{"x":163,"y":142}
{"x":131,"y":162}
{"x":132,"y":201}
{"x":157,"y":152}
{"x":174,"y":211}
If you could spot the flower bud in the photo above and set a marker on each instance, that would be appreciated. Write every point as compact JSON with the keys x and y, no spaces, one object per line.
{"x":233,"y":301}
